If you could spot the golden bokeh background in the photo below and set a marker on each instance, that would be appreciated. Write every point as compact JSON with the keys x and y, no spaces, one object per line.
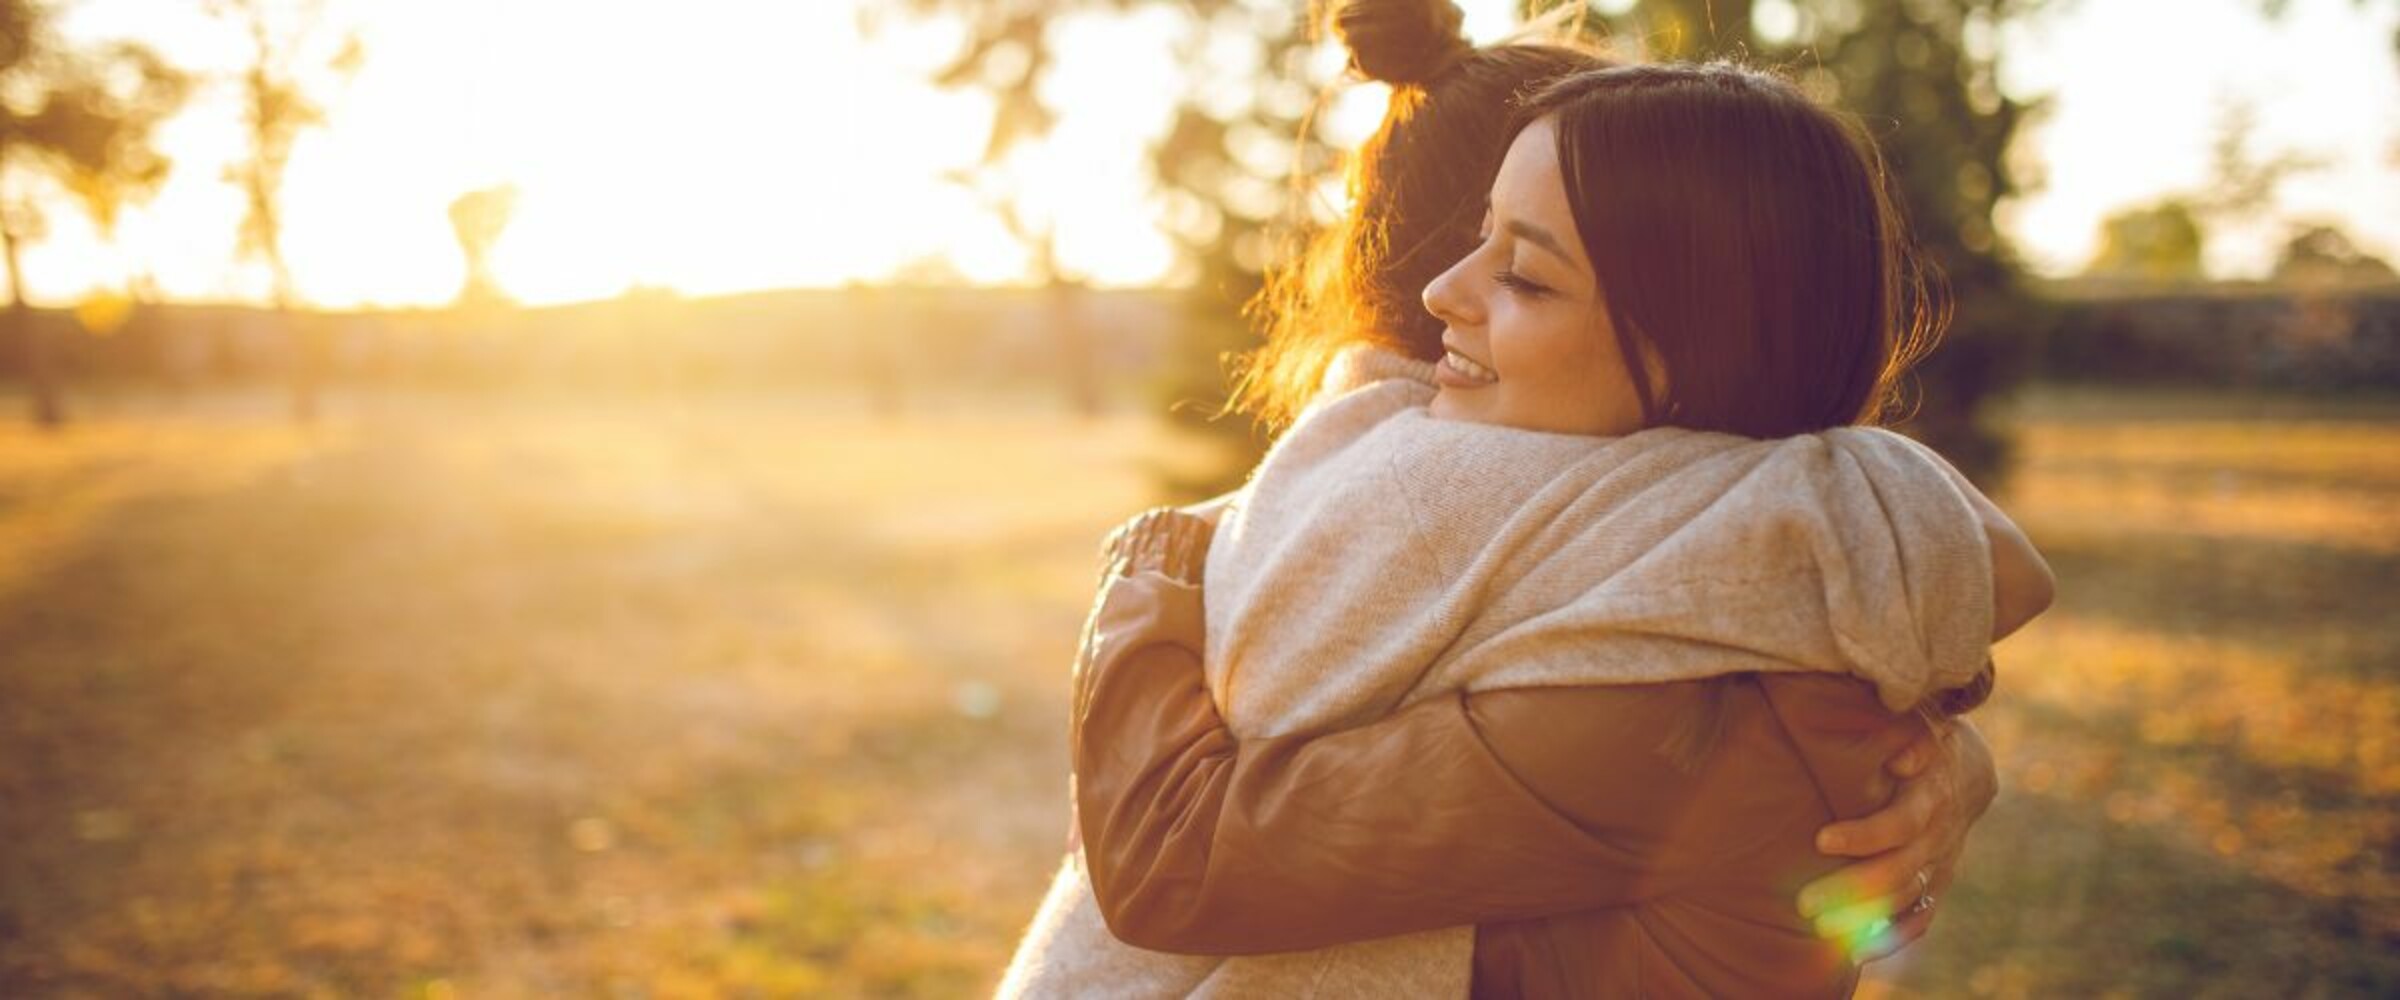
{"x":628,"y":535}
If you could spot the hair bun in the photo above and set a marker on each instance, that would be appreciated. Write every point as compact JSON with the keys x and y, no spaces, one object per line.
{"x":1401,"y":41}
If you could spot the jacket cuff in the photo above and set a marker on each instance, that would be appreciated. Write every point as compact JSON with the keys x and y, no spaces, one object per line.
{"x":1162,"y":540}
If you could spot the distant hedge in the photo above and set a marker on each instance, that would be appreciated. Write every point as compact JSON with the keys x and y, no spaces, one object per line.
{"x":2238,"y":336}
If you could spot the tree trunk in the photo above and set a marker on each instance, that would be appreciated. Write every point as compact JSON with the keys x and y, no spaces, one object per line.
{"x":304,"y":338}
{"x":1079,"y":361}
{"x":1078,"y":374}
{"x":41,"y":373}
{"x":308,"y":360}
{"x":891,"y":315}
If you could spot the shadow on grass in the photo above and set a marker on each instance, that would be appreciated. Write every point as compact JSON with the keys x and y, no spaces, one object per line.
{"x":2060,"y":901}
{"x":2329,"y":605}
{"x":361,"y":726}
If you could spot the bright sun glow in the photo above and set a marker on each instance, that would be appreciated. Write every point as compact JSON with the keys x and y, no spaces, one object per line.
{"x":729,"y":146}
{"x":722,"y":145}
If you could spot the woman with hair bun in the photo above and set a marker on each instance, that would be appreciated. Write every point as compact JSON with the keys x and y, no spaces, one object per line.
{"x":1620,"y":785}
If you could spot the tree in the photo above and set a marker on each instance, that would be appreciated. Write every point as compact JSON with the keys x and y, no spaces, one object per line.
{"x":478,"y":218}
{"x":2158,"y":242}
{"x":2324,"y":255}
{"x":1245,"y":154}
{"x":2242,"y":182}
{"x":2167,"y":239}
{"x":1238,"y":154}
{"x":285,"y":70}
{"x":1243,"y":158}
{"x":82,"y":121}
{"x":1234,"y":150}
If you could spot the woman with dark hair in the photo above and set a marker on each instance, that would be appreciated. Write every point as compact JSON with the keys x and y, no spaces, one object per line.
{"x":1694,"y":289}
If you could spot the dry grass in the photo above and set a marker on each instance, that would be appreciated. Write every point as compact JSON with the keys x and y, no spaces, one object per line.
{"x":528,"y":701}
{"x":2200,"y":745}
{"x":491,"y":699}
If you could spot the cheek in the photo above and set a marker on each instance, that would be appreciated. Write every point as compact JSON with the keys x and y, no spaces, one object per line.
{"x":1574,"y":380}
{"x":1555,"y":352}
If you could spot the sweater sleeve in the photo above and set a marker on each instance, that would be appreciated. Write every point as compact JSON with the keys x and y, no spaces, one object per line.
{"x":1907,"y":566}
{"x":1461,"y":809}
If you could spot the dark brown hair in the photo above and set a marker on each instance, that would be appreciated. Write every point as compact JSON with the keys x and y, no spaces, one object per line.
{"x":1417,"y":189}
{"x":1744,"y":237}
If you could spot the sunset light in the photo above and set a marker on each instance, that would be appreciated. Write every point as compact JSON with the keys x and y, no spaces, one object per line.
{"x":1044,"y":499}
{"x":731,"y":146}
{"x":734,"y":146}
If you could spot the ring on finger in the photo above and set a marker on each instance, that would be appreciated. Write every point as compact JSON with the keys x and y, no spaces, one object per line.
{"x":1924,"y":891}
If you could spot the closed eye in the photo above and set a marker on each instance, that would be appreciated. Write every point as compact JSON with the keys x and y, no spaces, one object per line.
{"x":1519,"y":284}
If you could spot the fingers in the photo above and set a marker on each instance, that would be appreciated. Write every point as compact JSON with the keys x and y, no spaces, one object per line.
{"x":1907,"y":923}
{"x":1913,"y":759}
{"x":1874,"y":925}
{"x":1900,"y":934}
{"x":1893,"y":845}
{"x":1876,"y":882}
{"x":1859,"y":929}
{"x":1909,"y":816}
{"x":1869,"y":906}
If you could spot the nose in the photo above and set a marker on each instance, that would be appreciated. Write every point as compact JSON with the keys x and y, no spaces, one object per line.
{"x":1450,"y":300}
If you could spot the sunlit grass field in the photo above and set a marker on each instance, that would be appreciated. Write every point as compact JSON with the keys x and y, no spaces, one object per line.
{"x":755,"y":697}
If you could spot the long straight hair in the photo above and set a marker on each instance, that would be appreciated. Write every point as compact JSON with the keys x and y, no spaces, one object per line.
{"x":1744,"y":237}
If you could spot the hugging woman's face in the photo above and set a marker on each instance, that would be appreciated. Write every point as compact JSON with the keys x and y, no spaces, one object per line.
{"x":1528,"y":342}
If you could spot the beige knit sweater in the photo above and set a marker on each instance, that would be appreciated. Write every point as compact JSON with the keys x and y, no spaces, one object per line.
{"x":1379,"y":555}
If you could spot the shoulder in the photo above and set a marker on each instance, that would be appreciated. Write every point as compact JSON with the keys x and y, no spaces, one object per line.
{"x":1337,"y":417}
{"x":1364,"y":364}
{"x":1883,"y":452}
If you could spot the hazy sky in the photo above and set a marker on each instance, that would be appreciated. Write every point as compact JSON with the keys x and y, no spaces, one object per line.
{"x":721,"y":145}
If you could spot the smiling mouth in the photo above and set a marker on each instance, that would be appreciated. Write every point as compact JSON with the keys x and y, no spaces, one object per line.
{"x":1468,"y":369}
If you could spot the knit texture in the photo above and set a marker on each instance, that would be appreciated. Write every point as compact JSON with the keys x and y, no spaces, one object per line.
{"x":1379,"y":555}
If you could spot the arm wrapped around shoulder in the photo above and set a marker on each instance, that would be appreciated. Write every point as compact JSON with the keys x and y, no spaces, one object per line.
{"x":1904,"y":560}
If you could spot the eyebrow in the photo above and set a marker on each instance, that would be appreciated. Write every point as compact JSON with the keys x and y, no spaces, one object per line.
{"x":1540,"y":237}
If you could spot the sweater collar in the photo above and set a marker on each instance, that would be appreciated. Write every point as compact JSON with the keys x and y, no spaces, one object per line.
{"x":1364,"y":364}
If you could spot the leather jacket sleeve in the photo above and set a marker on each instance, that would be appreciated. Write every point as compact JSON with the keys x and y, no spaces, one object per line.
{"x":1461,"y":809}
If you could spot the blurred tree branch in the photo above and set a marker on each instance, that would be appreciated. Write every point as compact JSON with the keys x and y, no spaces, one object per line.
{"x":1243,"y":156}
{"x":1242,"y":137}
{"x":287,"y":69}
{"x":1242,"y":153}
{"x":85,"y":121}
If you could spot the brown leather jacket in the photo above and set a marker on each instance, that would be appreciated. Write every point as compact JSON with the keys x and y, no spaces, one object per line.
{"x":1589,"y":861}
